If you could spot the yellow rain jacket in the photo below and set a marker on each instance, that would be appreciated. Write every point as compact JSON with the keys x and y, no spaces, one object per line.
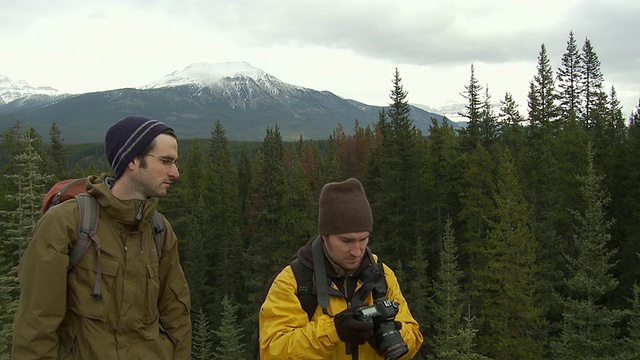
{"x":287,"y":333}
{"x":144,"y":311}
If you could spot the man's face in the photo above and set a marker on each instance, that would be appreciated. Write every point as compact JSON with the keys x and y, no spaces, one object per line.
{"x":347,"y":249}
{"x":158,"y":168}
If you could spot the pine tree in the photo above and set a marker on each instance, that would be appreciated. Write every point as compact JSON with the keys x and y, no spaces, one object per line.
{"x":352,"y":150}
{"x":230,"y":334}
{"x":464,"y":343}
{"x":449,"y":300}
{"x":419,"y":289}
{"x":569,"y":79}
{"x":244,"y":179}
{"x":473,"y":111}
{"x":543,"y":110}
{"x":625,"y":206}
{"x":634,"y":117}
{"x":298,"y":218}
{"x":441,"y":174}
{"x":311,"y":161}
{"x":476,"y":197}
{"x":510,"y":125}
{"x":488,"y":127}
{"x":589,"y":326}
{"x":511,"y":325}
{"x":11,"y":139}
{"x":591,"y":85}
{"x":398,"y":208}
{"x":610,"y":156}
{"x":58,"y":153}
{"x":194,"y":179}
{"x":540,"y":169}
{"x":632,"y":341}
{"x":223,"y":203}
{"x":330,"y":165}
{"x":509,"y":116}
{"x":202,"y":347}
{"x":267,"y":192}
{"x":196,"y":262}
{"x":30,"y":183}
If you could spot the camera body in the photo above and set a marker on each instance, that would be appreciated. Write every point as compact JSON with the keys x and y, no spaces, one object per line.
{"x":383,"y":313}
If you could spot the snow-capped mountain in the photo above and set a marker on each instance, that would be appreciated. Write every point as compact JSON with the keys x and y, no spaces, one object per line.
{"x":12,"y":89}
{"x":213,"y":75}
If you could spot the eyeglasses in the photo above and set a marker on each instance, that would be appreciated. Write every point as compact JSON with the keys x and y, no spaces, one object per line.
{"x":166,"y":161}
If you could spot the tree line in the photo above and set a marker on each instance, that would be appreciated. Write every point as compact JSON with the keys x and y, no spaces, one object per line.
{"x":513,"y":238}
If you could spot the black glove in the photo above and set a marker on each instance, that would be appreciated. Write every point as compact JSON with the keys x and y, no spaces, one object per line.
{"x":352,"y":330}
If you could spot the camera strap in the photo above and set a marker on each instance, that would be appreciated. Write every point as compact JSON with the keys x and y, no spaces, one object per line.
{"x":373,"y":281}
{"x":320,"y":271}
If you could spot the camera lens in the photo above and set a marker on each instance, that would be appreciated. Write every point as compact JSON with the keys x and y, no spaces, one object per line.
{"x":390,"y":342}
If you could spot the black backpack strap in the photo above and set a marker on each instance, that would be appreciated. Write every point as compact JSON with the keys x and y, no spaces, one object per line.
{"x":306,"y":291}
{"x":88,"y":211}
{"x":159,"y":232}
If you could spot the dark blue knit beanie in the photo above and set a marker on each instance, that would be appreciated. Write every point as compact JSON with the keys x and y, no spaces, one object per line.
{"x":127,"y":138}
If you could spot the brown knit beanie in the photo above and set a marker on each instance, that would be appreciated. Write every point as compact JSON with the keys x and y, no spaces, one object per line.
{"x":343,"y":207}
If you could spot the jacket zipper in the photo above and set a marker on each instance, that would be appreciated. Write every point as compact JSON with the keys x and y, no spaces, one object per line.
{"x":139,"y":214}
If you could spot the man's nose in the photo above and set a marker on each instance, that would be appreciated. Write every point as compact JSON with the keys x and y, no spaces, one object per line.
{"x":174,"y":172}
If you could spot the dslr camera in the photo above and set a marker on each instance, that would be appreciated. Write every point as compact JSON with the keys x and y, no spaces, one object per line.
{"x":383,"y":313}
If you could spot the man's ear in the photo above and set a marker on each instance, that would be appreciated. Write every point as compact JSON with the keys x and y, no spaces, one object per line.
{"x":133,"y":164}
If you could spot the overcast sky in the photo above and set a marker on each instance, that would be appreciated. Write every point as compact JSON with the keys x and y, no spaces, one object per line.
{"x":348,"y":47}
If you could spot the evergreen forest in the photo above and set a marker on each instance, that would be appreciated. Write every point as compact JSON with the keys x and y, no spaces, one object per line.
{"x":517,"y":237}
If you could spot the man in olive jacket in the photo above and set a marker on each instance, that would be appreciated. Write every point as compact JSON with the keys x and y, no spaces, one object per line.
{"x":142,"y":310}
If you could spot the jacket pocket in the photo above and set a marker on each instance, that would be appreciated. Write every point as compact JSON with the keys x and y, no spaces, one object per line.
{"x":153,"y":289}
{"x":82,"y":280}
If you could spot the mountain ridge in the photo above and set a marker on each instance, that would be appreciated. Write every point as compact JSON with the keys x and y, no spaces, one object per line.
{"x":245,"y":99}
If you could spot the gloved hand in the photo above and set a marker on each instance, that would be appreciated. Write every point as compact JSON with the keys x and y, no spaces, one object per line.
{"x":352,"y":330}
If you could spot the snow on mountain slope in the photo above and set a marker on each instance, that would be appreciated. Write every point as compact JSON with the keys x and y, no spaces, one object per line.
{"x":210,"y":75}
{"x":12,"y":89}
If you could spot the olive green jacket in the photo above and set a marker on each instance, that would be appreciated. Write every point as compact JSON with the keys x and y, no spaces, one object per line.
{"x":144,"y":311}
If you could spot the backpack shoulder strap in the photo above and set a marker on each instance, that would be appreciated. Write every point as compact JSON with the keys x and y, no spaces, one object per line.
{"x":159,"y":232}
{"x":306,"y":291}
{"x":88,"y":211}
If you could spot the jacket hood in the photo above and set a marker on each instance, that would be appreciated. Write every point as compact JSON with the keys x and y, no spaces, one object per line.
{"x":123,"y":211}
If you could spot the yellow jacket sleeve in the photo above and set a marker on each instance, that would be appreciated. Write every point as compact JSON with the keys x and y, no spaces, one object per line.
{"x":285,"y":329}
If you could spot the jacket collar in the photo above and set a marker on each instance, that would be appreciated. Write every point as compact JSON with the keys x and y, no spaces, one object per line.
{"x":127,"y":212}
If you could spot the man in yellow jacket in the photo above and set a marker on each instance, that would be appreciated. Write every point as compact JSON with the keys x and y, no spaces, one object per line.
{"x":127,"y":301}
{"x":361,"y":312}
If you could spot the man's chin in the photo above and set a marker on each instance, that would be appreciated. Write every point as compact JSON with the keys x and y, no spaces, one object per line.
{"x":160,"y":193}
{"x":351,"y":266}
